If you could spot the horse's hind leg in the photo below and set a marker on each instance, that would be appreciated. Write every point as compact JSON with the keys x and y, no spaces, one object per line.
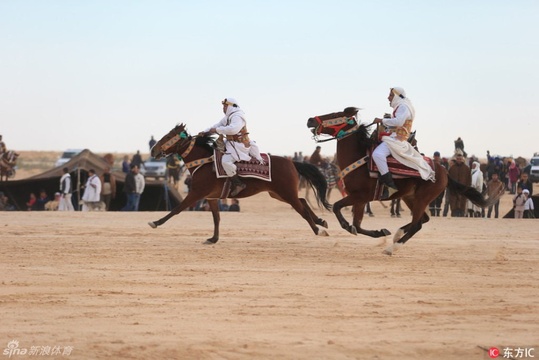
{"x":302,"y":208}
{"x":419,"y":217}
{"x":316,"y":219}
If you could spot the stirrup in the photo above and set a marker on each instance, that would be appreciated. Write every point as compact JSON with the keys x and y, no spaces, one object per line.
{"x":238,"y":186}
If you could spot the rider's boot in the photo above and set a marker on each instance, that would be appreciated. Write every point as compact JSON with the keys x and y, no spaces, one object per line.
{"x":237,"y":185}
{"x":390,"y":187}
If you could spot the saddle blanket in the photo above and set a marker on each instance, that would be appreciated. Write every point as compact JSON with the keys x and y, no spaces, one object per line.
{"x":398,"y":170}
{"x":251,"y":169}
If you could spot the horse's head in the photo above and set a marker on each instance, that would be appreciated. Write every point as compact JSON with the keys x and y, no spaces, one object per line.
{"x":334,"y":124}
{"x":171,"y":142}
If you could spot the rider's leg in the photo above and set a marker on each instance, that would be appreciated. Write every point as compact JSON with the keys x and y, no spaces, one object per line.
{"x":230,"y":168}
{"x":379,"y":156}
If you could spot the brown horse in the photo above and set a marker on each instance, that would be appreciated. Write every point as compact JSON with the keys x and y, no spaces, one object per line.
{"x":197,"y":153}
{"x":353,"y":144}
{"x":8,"y":160}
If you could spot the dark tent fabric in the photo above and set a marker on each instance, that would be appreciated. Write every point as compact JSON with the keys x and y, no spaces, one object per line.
{"x":157,"y":196}
{"x":511,"y":213}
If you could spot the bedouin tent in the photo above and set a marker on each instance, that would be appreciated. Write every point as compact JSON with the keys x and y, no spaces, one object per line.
{"x":157,"y":195}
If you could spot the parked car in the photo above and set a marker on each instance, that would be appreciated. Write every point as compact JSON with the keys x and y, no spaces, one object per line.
{"x":66,"y":156}
{"x":154,"y":168}
{"x":534,"y":169}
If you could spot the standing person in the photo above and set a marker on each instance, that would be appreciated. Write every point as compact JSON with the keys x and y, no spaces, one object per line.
{"x":126,"y":166}
{"x":238,"y":146}
{"x":460,"y":172}
{"x":133,"y":187}
{"x":92,"y":192}
{"x":66,"y":189}
{"x":316,"y":158}
{"x":396,"y":143}
{"x":152,"y":143}
{"x":525,"y":183}
{"x":513,"y":174}
{"x":108,"y":189}
{"x":435,"y":206}
{"x":174,"y":170}
{"x":477,"y":184}
{"x":395,"y":208}
{"x":529,"y":209}
{"x":137,"y":160}
{"x":518,"y":203}
{"x":494,"y":188}
{"x":139,"y":187}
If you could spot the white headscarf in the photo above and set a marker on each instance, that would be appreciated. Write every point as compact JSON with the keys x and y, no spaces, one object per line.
{"x":233,"y":108}
{"x":400,"y":99}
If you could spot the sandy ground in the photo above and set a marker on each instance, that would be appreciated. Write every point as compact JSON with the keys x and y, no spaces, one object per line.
{"x":107,"y":286}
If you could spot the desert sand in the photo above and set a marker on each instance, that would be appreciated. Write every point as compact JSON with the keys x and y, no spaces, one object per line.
{"x":106,"y":286}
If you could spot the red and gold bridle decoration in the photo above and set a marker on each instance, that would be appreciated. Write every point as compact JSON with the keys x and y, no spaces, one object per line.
{"x":337,"y":125}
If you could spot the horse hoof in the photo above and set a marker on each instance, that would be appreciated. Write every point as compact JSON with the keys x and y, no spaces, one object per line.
{"x":386,"y":232}
{"x":210,"y":241}
{"x":324,"y":224}
{"x":152,"y":224}
{"x":392,"y":249}
{"x":353,"y":230}
{"x":323,"y":233}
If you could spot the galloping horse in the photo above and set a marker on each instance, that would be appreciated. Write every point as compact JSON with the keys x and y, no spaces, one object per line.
{"x":353,"y":145}
{"x":197,"y":152}
{"x":8,"y":160}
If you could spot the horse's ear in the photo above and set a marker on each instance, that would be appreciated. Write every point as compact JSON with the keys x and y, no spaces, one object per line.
{"x":351,"y":111}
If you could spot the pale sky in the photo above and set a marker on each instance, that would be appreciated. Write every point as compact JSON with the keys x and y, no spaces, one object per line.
{"x":105,"y":75}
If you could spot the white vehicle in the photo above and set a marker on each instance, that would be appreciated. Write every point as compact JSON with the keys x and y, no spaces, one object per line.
{"x":66,"y":156}
{"x":154,"y":168}
{"x":534,"y":169}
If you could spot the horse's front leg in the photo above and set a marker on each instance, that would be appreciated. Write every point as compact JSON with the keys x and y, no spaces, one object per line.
{"x":214,"y":207}
{"x":358,"y":210}
{"x":346,"y":201}
{"x":189,"y":200}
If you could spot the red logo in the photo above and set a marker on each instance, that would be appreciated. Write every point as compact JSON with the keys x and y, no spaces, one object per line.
{"x":493,"y":352}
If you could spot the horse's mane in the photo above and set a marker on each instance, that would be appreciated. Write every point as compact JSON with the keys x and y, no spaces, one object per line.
{"x":364,"y":136}
{"x":206,"y":141}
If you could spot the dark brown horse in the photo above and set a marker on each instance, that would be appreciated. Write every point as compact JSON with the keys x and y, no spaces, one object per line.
{"x":353,"y":143}
{"x":197,"y":153}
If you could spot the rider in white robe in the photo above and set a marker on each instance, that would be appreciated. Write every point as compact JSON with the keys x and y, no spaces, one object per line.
{"x":238,"y":146}
{"x":396,"y":144}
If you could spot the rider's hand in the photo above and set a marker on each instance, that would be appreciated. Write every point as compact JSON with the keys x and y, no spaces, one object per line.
{"x":378,"y":120}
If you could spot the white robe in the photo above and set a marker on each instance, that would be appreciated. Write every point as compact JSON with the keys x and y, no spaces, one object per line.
{"x":92,"y":191}
{"x":231,"y":124}
{"x":403,"y":151}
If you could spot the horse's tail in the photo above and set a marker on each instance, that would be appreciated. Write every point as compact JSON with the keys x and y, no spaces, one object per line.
{"x":317,"y":181}
{"x":471,"y":193}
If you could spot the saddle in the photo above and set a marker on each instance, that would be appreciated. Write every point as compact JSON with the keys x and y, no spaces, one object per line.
{"x":251,"y":169}
{"x":398,"y":170}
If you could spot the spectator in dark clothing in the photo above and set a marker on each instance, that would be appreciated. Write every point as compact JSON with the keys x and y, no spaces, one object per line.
{"x":136,"y":160}
{"x":525,"y":183}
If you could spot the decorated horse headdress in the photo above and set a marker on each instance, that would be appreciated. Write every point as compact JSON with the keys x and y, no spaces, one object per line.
{"x":337,"y":125}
